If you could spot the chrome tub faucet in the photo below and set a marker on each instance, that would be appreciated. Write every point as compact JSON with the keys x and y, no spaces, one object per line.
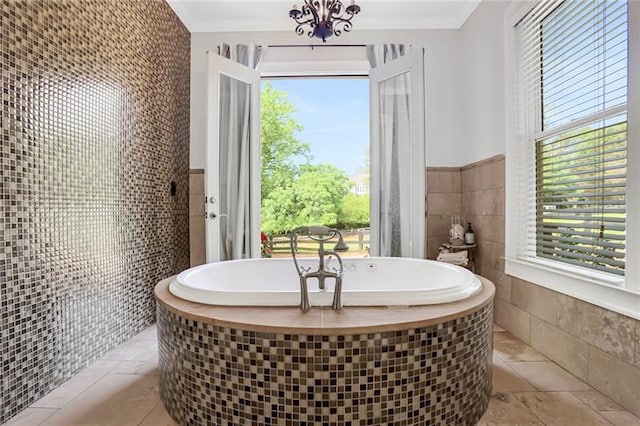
{"x":321,"y":234}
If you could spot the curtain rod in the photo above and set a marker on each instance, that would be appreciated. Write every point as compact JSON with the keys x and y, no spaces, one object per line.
{"x":316,"y":45}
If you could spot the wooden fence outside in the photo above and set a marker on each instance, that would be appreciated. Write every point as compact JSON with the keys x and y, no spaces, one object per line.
{"x":358,"y":241}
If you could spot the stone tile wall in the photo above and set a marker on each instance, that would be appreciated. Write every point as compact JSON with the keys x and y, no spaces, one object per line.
{"x":94,"y":128}
{"x":597,"y":345}
{"x":443,"y":201}
{"x":196,"y":217}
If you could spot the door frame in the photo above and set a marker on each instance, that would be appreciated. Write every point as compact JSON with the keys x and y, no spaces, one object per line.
{"x":414,"y":64}
{"x":218,"y":66}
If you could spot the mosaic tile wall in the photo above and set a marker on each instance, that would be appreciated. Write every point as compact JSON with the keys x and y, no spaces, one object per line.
{"x":94,"y":127}
{"x":438,"y":375}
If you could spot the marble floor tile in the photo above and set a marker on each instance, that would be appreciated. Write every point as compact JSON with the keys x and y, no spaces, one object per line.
{"x":134,"y":350}
{"x":138,"y":367}
{"x":560,"y":409}
{"x":158,"y":417}
{"x":621,"y":418}
{"x":547,"y":376}
{"x":75,"y":386}
{"x":149,"y":333}
{"x":117,"y":399}
{"x":597,"y":401}
{"x":507,"y":380}
{"x":123,"y":390}
{"x":506,"y":410}
{"x":498,"y":329}
{"x":510,"y":348}
{"x":31,"y":417}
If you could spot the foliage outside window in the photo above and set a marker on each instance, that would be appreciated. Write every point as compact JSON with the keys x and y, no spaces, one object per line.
{"x":578,"y":78}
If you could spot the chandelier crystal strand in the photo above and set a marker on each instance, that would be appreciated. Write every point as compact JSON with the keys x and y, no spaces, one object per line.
{"x":323,"y":18}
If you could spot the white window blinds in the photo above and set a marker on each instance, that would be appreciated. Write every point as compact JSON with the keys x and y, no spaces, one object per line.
{"x":573,"y":88}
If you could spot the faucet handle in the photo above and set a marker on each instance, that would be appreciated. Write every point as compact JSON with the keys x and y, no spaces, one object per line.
{"x":304,"y":270}
{"x":336,"y":269}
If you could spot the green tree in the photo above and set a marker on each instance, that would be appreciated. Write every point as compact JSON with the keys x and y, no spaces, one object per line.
{"x":293,"y":194}
{"x":314,"y":197}
{"x":354,"y":212}
{"x":280,"y":147}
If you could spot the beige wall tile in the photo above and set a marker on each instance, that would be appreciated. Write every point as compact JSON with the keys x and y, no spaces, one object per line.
{"x":487,"y":228}
{"x":470,"y":180}
{"x":616,"y":379}
{"x":438,"y":226}
{"x":563,"y":348}
{"x":197,"y":240}
{"x":196,"y":205}
{"x":497,"y":174}
{"x":536,"y":300}
{"x":443,"y":203}
{"x":484,"y":202}
{"x":433,"y":243}
{"x":501,"y":280}
{"x":487,"y":176}
{"x":560,"y":408}
{"x":513,"y":319}
{"x":489,"y":253}
{"x":196,"y":226}
{"x":440,"y":182}
{"x":196,"y":183}
{"x":637,"y":357}
{"x":456,"y":182}
{"x":608,"y":330}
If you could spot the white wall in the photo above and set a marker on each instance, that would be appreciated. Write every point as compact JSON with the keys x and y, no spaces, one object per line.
{"x":444,"y":130}
{"x":483,"y":83}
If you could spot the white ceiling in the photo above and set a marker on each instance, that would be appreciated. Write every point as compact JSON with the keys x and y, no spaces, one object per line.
{"x":273,"y":15}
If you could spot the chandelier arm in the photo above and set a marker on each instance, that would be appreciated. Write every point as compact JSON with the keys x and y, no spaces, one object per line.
{"x":341,"y":25}
{"x":310,"y":8}
{"x":302,"y":20}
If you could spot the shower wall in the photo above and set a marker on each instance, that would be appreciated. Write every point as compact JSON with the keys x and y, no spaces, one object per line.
{"x":94,"y":128}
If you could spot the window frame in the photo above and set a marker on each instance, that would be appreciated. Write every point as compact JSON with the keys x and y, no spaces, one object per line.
{"x":620,"y":294}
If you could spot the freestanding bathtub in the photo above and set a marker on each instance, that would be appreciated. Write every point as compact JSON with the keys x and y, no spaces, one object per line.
{"x":374,"y":281}
{"x":412,"y":345}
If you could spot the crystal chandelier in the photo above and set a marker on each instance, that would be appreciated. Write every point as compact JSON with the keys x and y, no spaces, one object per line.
{"x":324,"y":18}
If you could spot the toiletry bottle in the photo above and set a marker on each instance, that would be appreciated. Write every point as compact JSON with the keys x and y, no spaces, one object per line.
{"x":469,"y":235}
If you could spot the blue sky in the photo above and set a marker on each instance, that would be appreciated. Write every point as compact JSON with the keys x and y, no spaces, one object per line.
{"x":335,"y":117}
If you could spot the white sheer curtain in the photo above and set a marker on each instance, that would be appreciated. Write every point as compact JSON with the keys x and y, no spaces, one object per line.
{"x":394,"y":231}
{"x":235,"y":168}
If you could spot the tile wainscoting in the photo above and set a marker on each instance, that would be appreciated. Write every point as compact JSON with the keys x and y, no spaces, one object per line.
{"x":95,"y":127}
{"x":599,"y":346}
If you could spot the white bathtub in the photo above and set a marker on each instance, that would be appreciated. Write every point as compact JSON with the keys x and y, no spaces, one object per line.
{"x":367,"y":282}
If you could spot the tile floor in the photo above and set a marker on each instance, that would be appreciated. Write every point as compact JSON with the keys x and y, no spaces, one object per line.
{"x":122,"y":389}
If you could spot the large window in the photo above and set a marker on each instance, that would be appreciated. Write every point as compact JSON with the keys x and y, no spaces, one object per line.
{"x":573,"y":88}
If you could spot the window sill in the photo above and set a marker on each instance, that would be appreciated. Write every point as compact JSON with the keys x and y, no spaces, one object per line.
{"x":597,"y":288}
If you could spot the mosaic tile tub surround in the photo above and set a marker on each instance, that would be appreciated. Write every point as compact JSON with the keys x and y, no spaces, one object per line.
{"x":219,"y":374}
{"x":94,"y":127}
